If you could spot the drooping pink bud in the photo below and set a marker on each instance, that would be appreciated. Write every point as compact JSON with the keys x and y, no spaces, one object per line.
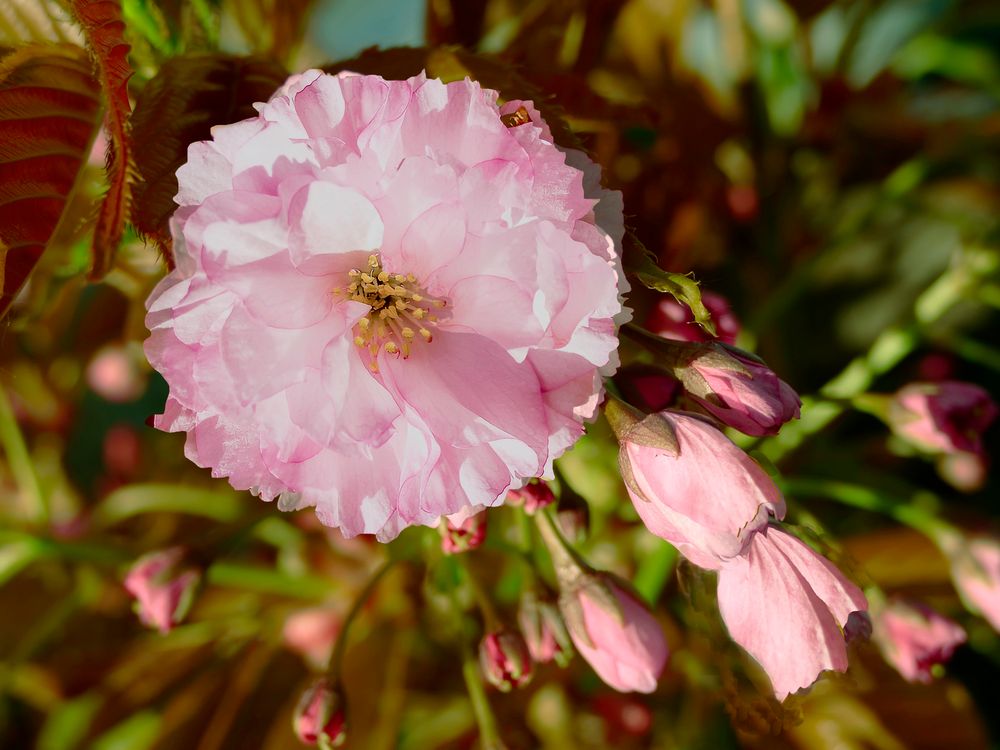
{"x":320,"y":716}
{"x":693,"y":486}
{"x":943,"y":417}
{"x":534,"y":495}
{"x":914,"y":638}
{"x":544,"y":630}
{"x":966,"y":472}
{"x":672,"y":320}
{"x":573,"y":516}
{"x":312,"y":632}
{"x":114,"y":374}
{"x":739,"y":390}
{"x":163,"y":591}
{"x":615,"y":632}
{"x":975,"y":570}
{"x":505,"y":660}
{"x":463,"y":531}
{"x":788,"y":606}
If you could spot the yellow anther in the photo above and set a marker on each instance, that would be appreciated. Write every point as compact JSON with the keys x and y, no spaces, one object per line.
{"x":391,"y":348}
{"x":426,"y":334}
{"x":408,"y":334}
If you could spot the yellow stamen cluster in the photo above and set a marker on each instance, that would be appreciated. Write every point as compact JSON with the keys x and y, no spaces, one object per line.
{"x":399,"y":312}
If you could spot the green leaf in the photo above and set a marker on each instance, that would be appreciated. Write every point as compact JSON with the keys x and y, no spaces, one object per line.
{"x":137,"y":499}
{"x":137,"y":732}
{"x":68,"y":724}
{"x":640,"y":264}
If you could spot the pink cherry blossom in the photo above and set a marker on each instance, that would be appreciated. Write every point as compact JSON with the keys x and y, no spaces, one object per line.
{"x":387,"y":304}
{"x":914,"y":638}
{"x":672,"y":320}
{"x":943,"y":417}
{"x":627,"y":647}
{"x":163,"y":591}
{"x":705,"y":496}
{"x":788,"y":607}
{"x":463,"y":531}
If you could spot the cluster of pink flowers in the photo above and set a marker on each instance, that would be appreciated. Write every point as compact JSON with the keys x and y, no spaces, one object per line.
{"x":396,"y":301}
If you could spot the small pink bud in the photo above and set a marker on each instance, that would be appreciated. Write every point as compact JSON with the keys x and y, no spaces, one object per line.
{"x":942,"y":417}
{"x":163,"y":592}
{"x":533,"y":496}
{"x":312,"y":632}
{"x":463,"y":531}
{"x":573,"y":516}
{"x":544,"y":630}
{"x":505,"y":660}
{"x":975,"y":569}
{"x":625,"y":716}
{"x":914,"y":638}
{"x":320,"y":716}
{"x":703,"y":494}
{"x":672,"y":320}
{"x":966,"y":472}
{"x":615,"y":632}
{"x":740,"y":391}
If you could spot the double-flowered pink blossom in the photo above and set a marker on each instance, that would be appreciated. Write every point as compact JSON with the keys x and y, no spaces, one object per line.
{"x":788,"y":607}
{"x":945,"y":417}
{"x":393,"y":299}
{"x":915,"y":638}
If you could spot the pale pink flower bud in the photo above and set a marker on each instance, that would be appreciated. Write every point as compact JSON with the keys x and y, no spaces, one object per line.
{"x":616,"y":633}
{"x":533,"y":496}
{"x":544,"y":630}
{"x":672,"y":320}
{"x":914,"y":638}
{"x":966,"y":472}
{"x":163,"y":591}
{"x":505,"y":660}
{"x":942,"y":417}
{"x":975,"y":569}
{"x":788,"y":607}
{"x":693,"y":486}
{"x":312,"y":632}
{"x":740,"y":391}
{"x":463,"y":531}
{"x":320,"y":716}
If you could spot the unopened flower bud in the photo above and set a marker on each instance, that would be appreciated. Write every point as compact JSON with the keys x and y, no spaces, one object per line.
{"x":463,"y":531}
{"x":615,"y":632}
{"x":163,"y":591}
{"x":739,"y":390}
{"x":505,"y":660}
{"x":544,"y":630}
{"x":533,"y":496}
{"x":320,"y":716}
{"x":573,"y":516}
{"x":914,"y":638}
{"x":944,"y":417}
{"x":312,"y":632}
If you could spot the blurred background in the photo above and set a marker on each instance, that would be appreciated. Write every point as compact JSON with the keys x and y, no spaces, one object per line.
{"x":830,"y":168}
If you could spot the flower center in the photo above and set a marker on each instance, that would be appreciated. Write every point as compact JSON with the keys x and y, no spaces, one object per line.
{"x":400,"y":312}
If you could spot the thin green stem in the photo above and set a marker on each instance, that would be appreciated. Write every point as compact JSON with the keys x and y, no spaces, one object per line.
{"x":335,"y":666}
{"x":19,"y":460}
{"x":489,"y":735}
